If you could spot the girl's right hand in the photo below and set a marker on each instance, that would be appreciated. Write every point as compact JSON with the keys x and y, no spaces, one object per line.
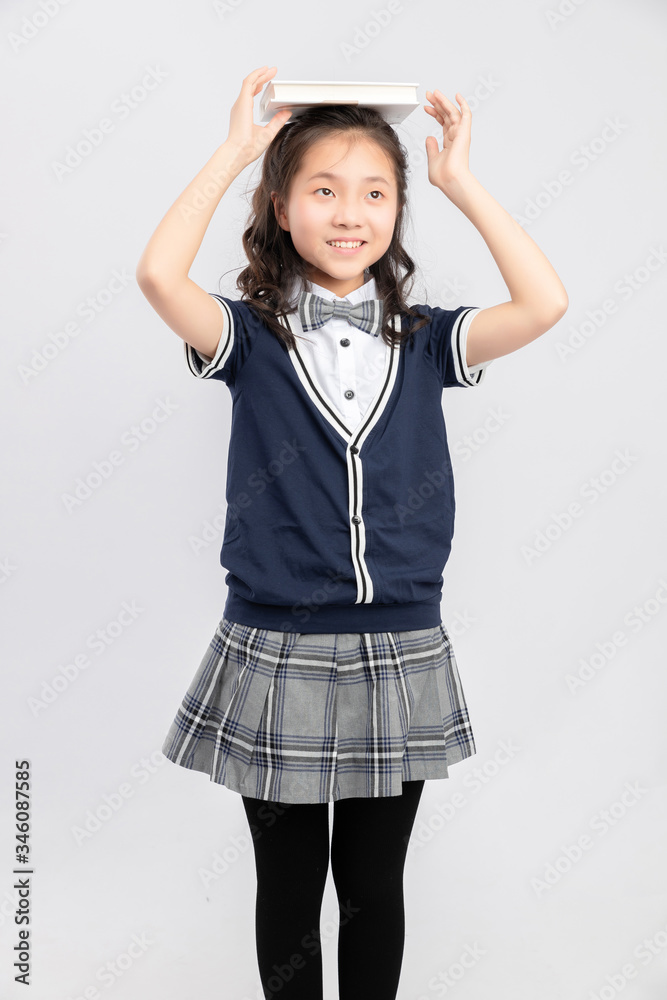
{"x":251,"y":140}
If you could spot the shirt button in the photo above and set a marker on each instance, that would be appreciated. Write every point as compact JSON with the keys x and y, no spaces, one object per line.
{"x":349,"y":394}
{"x":353,"y":449}
{"x":356,"y":519}
{"x":345,"y":342}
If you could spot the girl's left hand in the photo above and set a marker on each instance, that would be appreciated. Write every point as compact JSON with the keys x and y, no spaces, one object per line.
{"x":450,"y":163}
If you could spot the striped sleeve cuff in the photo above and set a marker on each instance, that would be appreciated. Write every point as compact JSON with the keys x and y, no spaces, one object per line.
{"x":466,"y":375}
{"x":201,"y":365}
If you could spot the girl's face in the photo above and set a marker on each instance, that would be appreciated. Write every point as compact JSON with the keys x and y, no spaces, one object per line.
{"x":343,"y":192}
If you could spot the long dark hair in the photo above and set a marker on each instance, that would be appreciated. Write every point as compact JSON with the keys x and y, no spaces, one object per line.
{"x":274,"y":261}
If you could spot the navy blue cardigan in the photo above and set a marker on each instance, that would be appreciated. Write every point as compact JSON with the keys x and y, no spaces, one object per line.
{"x":331,"y":528}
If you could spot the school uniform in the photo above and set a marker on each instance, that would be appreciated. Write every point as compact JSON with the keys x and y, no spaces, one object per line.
{"x":331,"y":674}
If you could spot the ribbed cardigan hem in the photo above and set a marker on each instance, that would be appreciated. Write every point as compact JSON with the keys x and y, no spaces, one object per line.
{"x":335,"y":618}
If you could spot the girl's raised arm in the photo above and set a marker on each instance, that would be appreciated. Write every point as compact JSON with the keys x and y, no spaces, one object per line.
{"x":537,"y":296}
{"x":162,"y":271}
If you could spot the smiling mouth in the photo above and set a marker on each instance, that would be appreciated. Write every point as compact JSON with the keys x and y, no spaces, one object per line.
{"x":346,"y":244}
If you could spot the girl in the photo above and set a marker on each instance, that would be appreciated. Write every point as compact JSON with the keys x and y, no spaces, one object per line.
{"x":331,"y":677}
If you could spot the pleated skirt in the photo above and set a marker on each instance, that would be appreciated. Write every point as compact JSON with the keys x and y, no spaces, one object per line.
{"x":316,"y":717}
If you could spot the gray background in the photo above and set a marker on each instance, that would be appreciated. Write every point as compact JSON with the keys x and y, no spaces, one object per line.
{"x":492,"y":870}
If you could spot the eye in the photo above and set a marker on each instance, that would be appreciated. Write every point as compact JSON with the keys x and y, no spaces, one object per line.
{"x":370,"y":192}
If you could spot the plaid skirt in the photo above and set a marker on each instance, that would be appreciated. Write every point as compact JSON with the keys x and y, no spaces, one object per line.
{"x":316,"y":717}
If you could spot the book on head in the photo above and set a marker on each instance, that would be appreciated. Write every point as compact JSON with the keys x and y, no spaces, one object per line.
{"x":394,"y":101}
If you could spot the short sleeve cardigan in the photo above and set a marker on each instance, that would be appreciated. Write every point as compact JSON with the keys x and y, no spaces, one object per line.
{"x":332,"y":528}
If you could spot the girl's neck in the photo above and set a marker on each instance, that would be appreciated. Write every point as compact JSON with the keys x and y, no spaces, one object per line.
{"x":340,"y":287}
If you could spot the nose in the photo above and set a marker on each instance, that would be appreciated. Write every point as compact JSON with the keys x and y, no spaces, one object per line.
{"x":347,"y":212}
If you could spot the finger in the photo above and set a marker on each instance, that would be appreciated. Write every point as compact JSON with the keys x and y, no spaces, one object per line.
{"x":431,"y":147}
{"x":258,"y":76}
{"x":443,"y":115}
{"x":260,"y":69}
{"x":278,"y":121}
{"x":434,"y":114}
{"x":254,"y":83}
{"x":253,"y":76}
{"x":446,"y":104}
{"x":264,"y":78}
{"x":451,"y":114}
{"x":465,"y":109}
{"x":433,"y":98}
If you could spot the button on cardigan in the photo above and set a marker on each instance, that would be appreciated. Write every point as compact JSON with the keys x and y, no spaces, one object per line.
{"x":339,"y":518}
{"x":342,"y":358}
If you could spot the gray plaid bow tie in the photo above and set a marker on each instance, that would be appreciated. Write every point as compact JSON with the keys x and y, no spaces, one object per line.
{"x":314,"y":311}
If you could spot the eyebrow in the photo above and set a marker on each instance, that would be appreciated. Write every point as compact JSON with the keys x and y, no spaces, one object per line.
{"x":335,"y":177}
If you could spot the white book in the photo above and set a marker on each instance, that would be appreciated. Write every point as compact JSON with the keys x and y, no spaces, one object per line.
{"x":394,"y":101}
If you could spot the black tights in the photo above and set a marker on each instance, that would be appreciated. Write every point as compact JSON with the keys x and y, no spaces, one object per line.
{"x":369,"y":843}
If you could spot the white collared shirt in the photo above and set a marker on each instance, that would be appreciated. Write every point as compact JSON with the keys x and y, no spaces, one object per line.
{"x":343,"y":358}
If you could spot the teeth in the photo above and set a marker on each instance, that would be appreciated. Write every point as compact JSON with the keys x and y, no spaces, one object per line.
{"x":346,"y":246}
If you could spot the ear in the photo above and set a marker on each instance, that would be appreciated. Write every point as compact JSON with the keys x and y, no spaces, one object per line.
{"x":277,"y":209}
